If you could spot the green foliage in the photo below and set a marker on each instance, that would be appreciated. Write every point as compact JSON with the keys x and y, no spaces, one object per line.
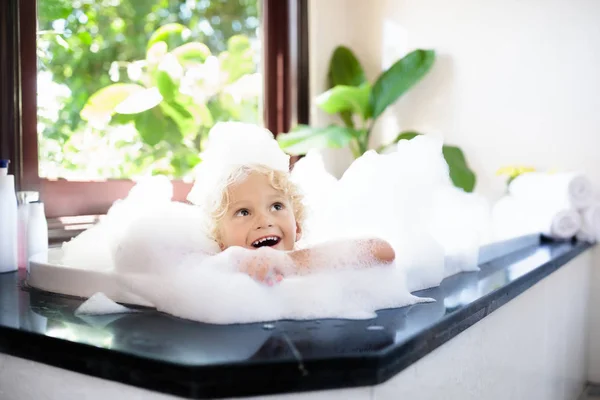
{"x":357,"y":102}
{"x":400,"y":77}
{"x":345,"y":69}
{"x":347,"y":98}
{"x":332,"y":136}
{"x":172,"y":34}
{"x":141,"y":82}
{"x":460,"y":173}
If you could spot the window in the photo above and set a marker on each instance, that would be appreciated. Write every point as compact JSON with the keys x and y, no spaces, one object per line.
{"x":127,"y":88}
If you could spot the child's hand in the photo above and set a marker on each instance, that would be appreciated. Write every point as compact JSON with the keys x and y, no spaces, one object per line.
{"x":265,"y":265}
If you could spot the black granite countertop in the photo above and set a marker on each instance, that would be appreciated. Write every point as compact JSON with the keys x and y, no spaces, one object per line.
{"x":159,"y":352}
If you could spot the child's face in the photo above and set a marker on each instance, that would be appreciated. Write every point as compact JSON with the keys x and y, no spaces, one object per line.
{"x":258,"y":215}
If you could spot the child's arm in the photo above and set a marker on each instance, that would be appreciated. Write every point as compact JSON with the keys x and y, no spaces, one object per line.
{"x":367,"y":252}
{"x":269,"y":266}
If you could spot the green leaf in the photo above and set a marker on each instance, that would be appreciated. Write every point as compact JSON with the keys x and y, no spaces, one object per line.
{"x":192,"y":52}
{"x":400,"y":77}
{"x":460,"y":173}
{"x":166,"y":85}
{"x":200,"y":111}
{"x":238,"y":60}
{"x":172,"y":34}
{"x":101,"y":105}
{"x":346,"y":117}
{"x":345,"y":69}
{"x":408,"y":135}
{"x":303,"y":138}
{"x":173,"y":134}
{"x":85,"y":38}
{"x":182,"y":117}
{"x":52,"y":10}
{"x":203,"y":115}
{"x":238,"y":44}
{"x":346,"y":98}
{"x":153,"y":126}
{"x":184,"y":161}
{"x":122,"y":119}
{"x":150,"y":125}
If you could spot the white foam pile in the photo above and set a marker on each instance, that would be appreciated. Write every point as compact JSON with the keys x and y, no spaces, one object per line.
{"x":405,"y":197}
{"x":159,"y":250}
{"x":99,"y":304}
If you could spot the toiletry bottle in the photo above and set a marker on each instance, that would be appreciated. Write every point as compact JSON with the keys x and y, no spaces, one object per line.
{"x":37,"y":230}
{"x":22,"y":218}
{"x":8,"y":220}
{"x":24,"y":198}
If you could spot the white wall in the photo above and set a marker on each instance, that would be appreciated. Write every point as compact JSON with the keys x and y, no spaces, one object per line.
{"x":515,"y":81}
{"x":594,"y":330}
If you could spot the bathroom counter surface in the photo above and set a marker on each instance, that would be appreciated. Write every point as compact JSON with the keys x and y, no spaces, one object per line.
{"x":166,"y":354}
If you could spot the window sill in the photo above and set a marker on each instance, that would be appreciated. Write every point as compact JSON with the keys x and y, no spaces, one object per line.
{"x":65,"y":228}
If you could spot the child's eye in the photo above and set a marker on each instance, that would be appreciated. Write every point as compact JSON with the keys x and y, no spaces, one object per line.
{"x":277,"y":206}
{"x":242,"y":213}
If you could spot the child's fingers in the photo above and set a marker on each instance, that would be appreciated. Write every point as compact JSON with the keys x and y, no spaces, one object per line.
{"x":261,"y":274}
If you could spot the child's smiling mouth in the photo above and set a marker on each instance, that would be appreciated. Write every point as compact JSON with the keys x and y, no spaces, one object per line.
{"x":269,"y":241}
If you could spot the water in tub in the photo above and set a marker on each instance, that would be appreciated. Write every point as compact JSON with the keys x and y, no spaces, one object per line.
{"x":162,"y":251}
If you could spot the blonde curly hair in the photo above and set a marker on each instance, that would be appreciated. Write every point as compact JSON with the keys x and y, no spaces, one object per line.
{"x":279,"y":180}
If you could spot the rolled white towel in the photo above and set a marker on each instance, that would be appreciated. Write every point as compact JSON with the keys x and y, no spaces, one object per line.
{"x":564,"y":225}
{"x":513,"y":217}
{"x":590,"y":224}
{"x":571,"y":190}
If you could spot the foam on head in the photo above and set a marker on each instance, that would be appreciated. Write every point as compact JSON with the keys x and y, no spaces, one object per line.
{"x":236,"y":150}
{"x":232,"y":145}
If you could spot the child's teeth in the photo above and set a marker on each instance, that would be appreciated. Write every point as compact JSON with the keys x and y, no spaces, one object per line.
{"x":265,"y":239}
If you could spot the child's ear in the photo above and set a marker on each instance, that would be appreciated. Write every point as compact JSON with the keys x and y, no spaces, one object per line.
{"x":298,"y":232}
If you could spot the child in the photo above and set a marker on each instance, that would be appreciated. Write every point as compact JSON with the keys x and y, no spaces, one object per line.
{"x":261,"y":209}
{"x":244,"y":186}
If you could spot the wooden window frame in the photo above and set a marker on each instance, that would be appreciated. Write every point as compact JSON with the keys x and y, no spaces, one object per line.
{"x":286,"y":101}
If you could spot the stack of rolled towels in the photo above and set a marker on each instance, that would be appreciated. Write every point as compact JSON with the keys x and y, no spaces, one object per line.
{"x":557,"y":205}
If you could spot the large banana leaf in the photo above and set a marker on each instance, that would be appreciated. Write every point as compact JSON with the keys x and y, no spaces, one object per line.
{"x":400,"y":77}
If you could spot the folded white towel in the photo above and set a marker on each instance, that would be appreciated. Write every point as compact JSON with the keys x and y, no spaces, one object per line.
{"x":590,"y":224}
{"x":570,"y":190}
{"x":513,"y":217}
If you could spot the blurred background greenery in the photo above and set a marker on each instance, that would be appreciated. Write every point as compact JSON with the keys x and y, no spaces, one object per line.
{"x":128,"y":88}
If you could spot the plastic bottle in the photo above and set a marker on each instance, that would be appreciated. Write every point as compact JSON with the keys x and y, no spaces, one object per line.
{"x":37,"y":230}
{"x":8,"y":220}
{"x":23,"y":200}
{"x":22,"y":219}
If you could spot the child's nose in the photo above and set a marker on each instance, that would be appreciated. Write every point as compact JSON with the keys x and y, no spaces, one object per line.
{"x":264,"y":221}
